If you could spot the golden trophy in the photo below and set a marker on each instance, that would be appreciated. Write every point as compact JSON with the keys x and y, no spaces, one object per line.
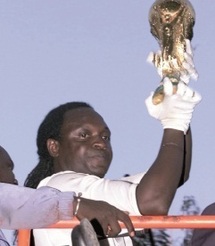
{"x":171,"y":23}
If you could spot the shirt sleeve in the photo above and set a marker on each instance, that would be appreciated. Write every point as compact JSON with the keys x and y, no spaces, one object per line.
{"x":119,"y":193}
{"x":135,"y":179}
{"x":22,"y":207}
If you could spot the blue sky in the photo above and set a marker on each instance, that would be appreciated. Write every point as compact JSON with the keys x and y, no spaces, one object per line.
{"x":55,"y":51}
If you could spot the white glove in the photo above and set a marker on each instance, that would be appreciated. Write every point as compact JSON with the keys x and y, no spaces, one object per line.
{"x":186,"y":69}
{"x":188,"y":64}
{"x":176,"y":110}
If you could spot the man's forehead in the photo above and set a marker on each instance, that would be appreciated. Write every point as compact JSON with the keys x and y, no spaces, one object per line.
{"x":81,"y":114}
{"x":84,"y":117}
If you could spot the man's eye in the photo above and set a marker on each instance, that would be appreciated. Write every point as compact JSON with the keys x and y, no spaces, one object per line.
{"x":84,"y":135}
{"x":107,"y":138}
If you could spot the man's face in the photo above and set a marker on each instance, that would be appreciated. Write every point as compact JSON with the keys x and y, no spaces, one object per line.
{"x":84,"y":145}
{"x":6,"y":168}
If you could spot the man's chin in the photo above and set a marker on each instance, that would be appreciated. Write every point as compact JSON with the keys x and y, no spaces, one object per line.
{"x":99,"y":172}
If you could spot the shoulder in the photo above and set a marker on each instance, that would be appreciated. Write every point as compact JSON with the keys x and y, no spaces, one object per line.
{"x":65,"y":180}
{"x":59,"y":177}
{"x":134,"y":179}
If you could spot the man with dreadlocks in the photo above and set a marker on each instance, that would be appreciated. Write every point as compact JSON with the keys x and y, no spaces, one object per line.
{"x":48,"y":204}
{"x":75,"y":153}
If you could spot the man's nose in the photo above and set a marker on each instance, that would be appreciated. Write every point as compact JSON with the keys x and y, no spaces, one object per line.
{"x":99,"y":143}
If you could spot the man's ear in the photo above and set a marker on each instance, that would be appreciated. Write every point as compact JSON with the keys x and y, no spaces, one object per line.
{"x":53,"y":147}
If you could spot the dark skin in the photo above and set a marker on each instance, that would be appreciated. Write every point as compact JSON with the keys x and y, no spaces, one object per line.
{"x":163,"y":178}
{"x":84,"y":144}
{"x":105,"y":213}
{"x":85,"y":147}
{"x":6,"y":168}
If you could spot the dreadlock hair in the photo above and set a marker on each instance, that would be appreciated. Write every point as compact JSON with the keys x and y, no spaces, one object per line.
{"x":49,"y":128}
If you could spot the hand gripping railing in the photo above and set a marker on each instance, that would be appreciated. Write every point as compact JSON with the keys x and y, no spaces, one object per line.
{"x":156,"y":222}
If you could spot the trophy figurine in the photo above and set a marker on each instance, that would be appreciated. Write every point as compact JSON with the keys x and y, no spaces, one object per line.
{"x":171,"y":23}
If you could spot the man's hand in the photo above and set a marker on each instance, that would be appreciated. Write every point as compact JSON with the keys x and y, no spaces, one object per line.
{"x":186,"y":68}
{"x":107,"y":215}
{"x":176,"y":110}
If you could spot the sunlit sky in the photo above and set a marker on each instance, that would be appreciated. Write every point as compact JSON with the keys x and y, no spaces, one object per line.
{"x":55,"y":51}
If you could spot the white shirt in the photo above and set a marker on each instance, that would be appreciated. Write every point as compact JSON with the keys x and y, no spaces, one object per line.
{"x":119,"y":193}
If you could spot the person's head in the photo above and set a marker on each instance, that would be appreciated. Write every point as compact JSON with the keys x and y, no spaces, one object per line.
{"x":72,"y":137}
{"x":6,"y":168}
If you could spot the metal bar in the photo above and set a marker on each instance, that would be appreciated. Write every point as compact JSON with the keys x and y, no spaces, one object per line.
{"x":156,"y":222}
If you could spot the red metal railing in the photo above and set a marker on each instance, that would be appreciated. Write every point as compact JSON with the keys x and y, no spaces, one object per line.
{"x":157,"y":222}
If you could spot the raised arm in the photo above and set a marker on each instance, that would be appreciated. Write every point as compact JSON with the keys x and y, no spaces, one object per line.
{"x":187,"y":157}
{"x":170,"y":169}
